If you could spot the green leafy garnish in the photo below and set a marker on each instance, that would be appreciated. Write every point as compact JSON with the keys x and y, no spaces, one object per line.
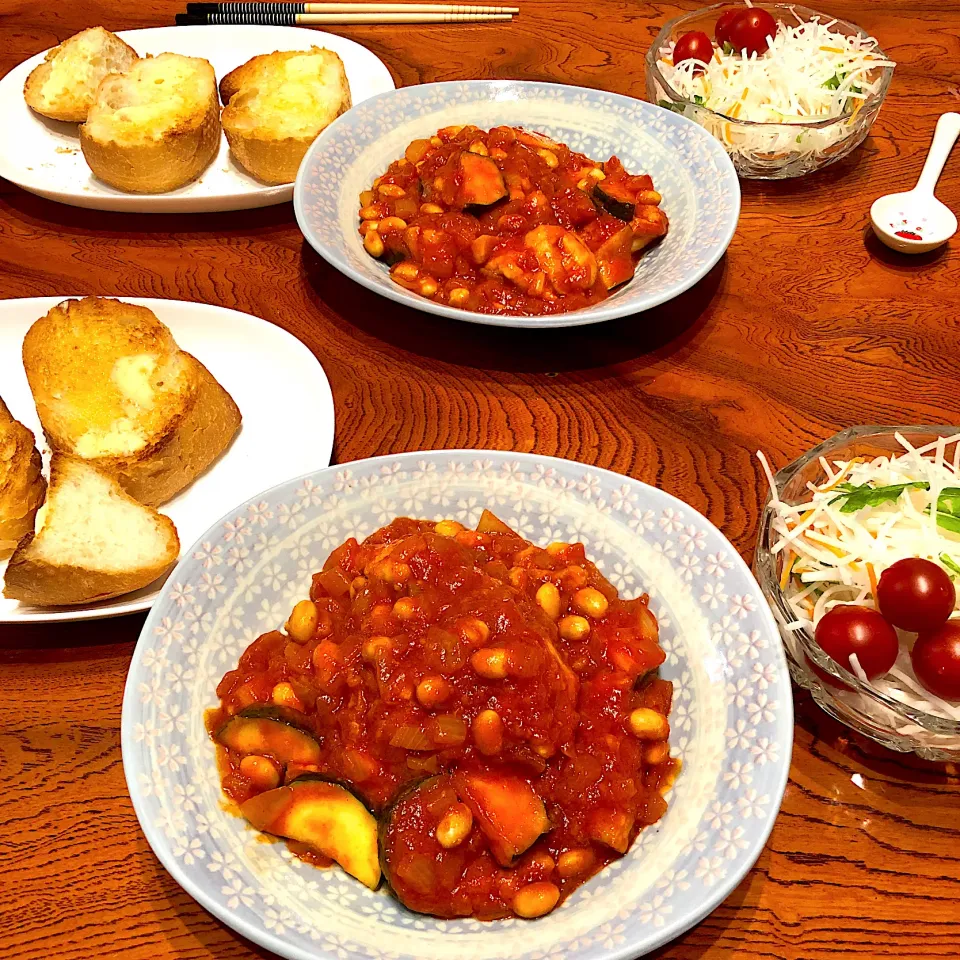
{"x":950,"y":563}
{"x":728,"y":47}
{"x":670,"y":105}
{"x":866,"y":496}
{"x":698,"y":100}
{"x":834,"y":82}
{"x":949,"y":501}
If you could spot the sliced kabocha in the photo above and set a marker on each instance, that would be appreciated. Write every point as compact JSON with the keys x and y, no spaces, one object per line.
{"x":270,"y":731}
{"x":506,"y":808}
{"x":324,"y":815}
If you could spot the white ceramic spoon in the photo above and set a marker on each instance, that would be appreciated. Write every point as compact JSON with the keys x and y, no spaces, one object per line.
{"x":917,"y":213}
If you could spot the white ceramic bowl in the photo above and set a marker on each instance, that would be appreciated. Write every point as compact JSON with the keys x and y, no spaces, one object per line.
{"x":701,"y":192}
{"x":732,"y":720}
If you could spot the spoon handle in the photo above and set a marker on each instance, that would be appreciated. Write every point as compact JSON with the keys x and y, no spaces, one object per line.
{"x":948,"y":128}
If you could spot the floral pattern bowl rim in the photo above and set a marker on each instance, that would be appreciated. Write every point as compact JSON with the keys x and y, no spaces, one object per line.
{"x":732,"y":722}
{"x":700,"y":187}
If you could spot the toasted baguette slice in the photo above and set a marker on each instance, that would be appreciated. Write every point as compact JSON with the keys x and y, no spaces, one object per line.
{"x":277,"y":104}
{"x":112,"y":386}
{"x":21,"y":484}
{"x":64,"y":85}
{"x":92,"y":541}
{"x":155,"y":127}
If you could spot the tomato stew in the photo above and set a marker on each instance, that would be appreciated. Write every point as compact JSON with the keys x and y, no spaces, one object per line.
{"x":507,"y":221}
{"x":495,"y":705}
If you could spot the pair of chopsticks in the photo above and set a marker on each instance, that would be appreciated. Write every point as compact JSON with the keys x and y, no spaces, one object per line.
{"x":317,"y":14}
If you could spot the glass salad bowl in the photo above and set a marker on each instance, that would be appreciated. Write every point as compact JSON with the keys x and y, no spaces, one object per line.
{"x":761,"y":150}
{"x":897,"y":725}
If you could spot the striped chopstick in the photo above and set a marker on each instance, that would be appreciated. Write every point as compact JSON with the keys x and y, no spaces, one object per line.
{"x":260,"y":8}
{"x":318,"y":19}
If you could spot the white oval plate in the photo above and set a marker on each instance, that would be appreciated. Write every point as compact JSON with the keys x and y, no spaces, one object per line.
{"x":44,"y":157}
{"x":732,"y":721}
{"x":277,"y":383}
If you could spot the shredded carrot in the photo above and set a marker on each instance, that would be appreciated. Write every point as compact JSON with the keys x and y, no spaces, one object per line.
{"x":785,"y":573}
{"x":716,"y":56}
{"x":841,"y":476}
{"x":819,"y":541}
{"x":872,"y":574}
{"x":832,"y":49}
{"x":743,"y":96}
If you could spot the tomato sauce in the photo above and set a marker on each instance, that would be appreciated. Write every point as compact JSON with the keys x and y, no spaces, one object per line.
{"x":449,"y":668}
{"x":508,"y":221}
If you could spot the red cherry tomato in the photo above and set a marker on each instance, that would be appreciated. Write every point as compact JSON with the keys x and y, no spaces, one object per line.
{"x":850,"y":629}
{"x":936,"y":660}
{"x":750,"y":30}
{"x":695,"y":45}
{"x":724,"y":22}
{"x":916,"y":594}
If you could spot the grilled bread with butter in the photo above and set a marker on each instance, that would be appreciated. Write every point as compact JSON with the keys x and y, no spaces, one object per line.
{"x":277,"y":104}
{"x":112,"y":387}
{"x":155,"y":127}
{"x":92,"y":541}
{"x":63,"y":87}
{"x":21,"y":484}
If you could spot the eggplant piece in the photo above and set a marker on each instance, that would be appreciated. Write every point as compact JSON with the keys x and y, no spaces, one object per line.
{"x":616,"y":198}
{"x":327,"y":817}
{"x":615,"y":258}
{"x":507,"y":810}
{"x":276,"y":732}
{"x":483,"y":183}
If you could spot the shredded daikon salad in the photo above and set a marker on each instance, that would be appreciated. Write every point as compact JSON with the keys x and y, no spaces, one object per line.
{"x":810,"y":72}
{"x":864,"y":516}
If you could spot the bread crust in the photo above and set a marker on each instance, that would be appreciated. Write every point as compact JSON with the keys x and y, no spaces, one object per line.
{"x":35,"y":580}
{"x":165,"y":154}
{"x":22,"y":487}
{"x":187,"y":440}
{"x":72,"y":104}
{"x":256,"y":135}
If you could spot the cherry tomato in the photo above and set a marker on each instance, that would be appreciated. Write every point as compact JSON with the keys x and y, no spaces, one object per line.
{"x":695,"y":45}
{"x":936,"y":660}
{"x":848,"y":629}
{"x":749,"y":31}
{"x":724,"y":22}
{"x":916,"y":594}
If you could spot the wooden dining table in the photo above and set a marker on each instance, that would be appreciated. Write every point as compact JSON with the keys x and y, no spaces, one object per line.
{"x":807,"y":325}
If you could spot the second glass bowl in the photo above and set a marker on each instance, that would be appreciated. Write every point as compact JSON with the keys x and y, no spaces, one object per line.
{"x":767,"y":151}
{"x":858,"y":705}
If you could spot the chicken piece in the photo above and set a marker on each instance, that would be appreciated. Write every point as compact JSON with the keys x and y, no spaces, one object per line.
{"x":562,"y":261}
{"x":649,"y":223}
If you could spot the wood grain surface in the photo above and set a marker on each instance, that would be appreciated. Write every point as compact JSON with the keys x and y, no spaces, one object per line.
{"x":805,"y":327}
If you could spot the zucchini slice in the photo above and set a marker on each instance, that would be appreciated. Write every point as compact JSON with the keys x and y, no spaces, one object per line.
{"x":420,"y":871}
{"x":483,"y":183}
{"x":270,"y":731}
{"x":507,"y":810}
{"x":327,"y":817}
{"x":616,"y":198}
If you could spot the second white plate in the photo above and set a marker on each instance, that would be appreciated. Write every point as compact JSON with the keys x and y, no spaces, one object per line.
{"x":44,"y":157}
{"x":279,"y":386}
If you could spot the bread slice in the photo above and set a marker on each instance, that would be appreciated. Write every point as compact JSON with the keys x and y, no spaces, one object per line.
{"x":22,"y":486}
{"x":64,"y":85}
{"x":276,"y":106}
{"x":112,"y":386}
{"x":155,"y":127}
{"x":92,"y":541}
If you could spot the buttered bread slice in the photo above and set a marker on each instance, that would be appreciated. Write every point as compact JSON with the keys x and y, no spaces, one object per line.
{"x":113,"y":388}
{"x":21,"y":484}
{"x":155,"y":127}
{"x":63,"y":87}
{"x":277,"y":104}
{"x":92,"y":541}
